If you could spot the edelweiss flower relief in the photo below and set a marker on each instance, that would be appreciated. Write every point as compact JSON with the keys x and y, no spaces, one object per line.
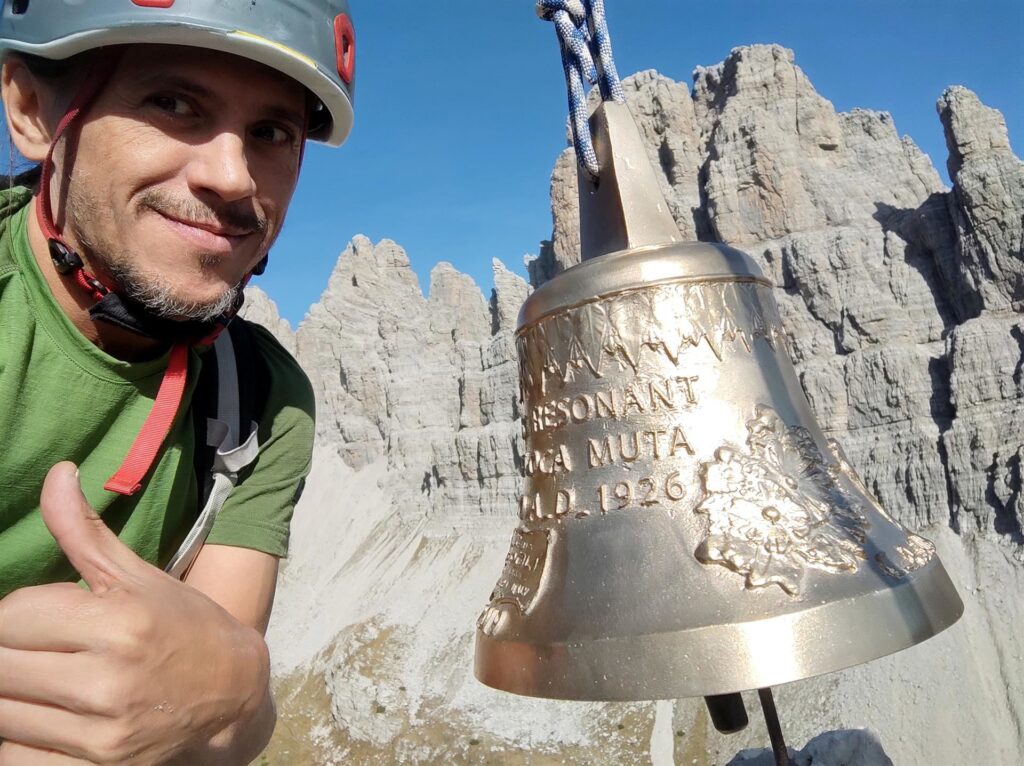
{"x":776,"y":509}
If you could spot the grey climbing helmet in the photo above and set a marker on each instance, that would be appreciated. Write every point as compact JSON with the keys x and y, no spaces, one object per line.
{"x":311,"y":41}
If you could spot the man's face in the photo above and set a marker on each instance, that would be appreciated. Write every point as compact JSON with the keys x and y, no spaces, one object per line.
{"x":181,"y":175}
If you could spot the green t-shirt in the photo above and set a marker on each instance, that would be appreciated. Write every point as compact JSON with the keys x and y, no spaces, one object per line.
{"x":62,"y":398}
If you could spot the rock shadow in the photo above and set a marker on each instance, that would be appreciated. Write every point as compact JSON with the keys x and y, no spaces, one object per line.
{"x":931,"y":250}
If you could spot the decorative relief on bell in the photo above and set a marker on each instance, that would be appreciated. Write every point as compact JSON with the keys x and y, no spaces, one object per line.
{"x":613,"y":332}
{"x":776,"y":508}
{"x":520,"y":579}
{"x":781,"y":506}
{"x":911,"y":556}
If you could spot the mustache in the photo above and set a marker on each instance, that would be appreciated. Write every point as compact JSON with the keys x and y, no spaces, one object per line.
{"x":245,"y":218}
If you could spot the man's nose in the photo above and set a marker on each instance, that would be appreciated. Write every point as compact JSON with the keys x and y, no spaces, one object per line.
{"x":220,"y":166}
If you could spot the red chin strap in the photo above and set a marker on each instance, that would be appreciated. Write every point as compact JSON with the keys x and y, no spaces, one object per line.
{"x":65,"y":259}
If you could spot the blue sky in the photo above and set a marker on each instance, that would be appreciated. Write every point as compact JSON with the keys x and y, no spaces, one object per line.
{"x":460,"y":110}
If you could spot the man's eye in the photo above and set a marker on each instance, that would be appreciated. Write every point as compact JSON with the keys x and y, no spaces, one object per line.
{"x":171,"y":104}
{"x":274,"y":134}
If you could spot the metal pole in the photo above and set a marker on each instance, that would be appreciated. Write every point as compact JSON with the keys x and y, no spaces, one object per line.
{"x":771,"y":718}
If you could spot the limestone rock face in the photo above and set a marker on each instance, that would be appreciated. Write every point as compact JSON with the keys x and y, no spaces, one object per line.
{"x":422,"y":383}
{"x":902,"y":301}
{"x":260,"y":309}
{"x":986,"y":201}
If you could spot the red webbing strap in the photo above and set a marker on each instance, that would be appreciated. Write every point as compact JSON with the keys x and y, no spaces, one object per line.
{"x":138,"y":461}
{"x":87,"y":93}
{"x":96,"y":289}
{"x":44,"y":213}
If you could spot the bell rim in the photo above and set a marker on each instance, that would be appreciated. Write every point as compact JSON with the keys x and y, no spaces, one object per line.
{"x":642,"y":659}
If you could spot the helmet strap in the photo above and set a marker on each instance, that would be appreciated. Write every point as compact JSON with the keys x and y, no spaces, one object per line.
{"x":65,"y":259}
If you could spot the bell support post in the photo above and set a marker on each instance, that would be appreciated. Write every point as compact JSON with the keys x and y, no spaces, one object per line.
{"x":771,"y":719}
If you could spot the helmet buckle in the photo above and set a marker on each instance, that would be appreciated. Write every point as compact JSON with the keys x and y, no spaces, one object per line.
{"x":65,"y":260}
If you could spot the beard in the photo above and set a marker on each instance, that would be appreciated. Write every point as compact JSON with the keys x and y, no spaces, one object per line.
{"x":149,"y":289}
{"x":160,"y":300}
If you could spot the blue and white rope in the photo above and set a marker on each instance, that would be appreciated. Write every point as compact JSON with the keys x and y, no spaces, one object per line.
{"x":586,"y":56}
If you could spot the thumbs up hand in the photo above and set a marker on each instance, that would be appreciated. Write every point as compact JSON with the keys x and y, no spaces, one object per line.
{"x":139,"y":667}
{"x":103,"y":561}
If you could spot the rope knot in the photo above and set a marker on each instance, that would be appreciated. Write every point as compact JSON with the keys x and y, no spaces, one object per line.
{"x":586,"y":49}
{"x":547,"y":9}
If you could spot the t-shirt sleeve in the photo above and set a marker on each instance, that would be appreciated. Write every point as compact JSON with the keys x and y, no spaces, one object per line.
{"x":259,"y":510}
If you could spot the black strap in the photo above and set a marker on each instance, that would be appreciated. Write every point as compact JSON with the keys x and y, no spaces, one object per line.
{"x":204,"y":406}
{"x":130,"y":315}
{"x":253,"y":392}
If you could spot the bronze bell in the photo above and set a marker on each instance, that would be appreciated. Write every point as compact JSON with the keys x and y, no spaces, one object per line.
{"x":685,"y":527}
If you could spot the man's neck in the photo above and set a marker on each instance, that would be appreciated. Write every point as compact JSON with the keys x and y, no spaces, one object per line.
{"x":75,"y":303}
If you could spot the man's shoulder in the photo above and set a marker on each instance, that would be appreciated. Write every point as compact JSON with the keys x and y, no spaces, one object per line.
{"x":11,"y":201}
{"x":287,"y":384}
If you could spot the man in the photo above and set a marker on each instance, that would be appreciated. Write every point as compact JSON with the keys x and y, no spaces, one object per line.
{"x":170,"y":136}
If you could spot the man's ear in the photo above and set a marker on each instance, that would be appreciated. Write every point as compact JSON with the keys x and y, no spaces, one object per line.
{"x":26,"y":99}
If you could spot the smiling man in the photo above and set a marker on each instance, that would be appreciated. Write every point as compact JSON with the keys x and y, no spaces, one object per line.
{"x":169,"y":137}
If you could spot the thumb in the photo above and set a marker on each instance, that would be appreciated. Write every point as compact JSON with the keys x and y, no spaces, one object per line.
{"x":93,"y":550}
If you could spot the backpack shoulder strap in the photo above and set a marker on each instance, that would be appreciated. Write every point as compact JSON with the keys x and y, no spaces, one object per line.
{"x":230,"y":395}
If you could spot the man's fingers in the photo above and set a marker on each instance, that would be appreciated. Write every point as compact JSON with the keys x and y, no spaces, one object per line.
{"x":62,"y":679}
{"x":14,"y":754}
{"x":44,"y":727}
{"x":52,"y":618}
{"x":94,"y":551}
